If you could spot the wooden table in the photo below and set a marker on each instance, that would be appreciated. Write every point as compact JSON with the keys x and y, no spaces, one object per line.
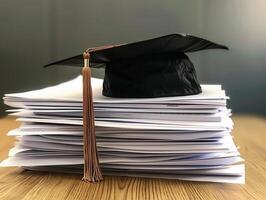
{"x":249,"y":132}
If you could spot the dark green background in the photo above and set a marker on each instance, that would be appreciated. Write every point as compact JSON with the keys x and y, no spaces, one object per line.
{"x":34,"y":33}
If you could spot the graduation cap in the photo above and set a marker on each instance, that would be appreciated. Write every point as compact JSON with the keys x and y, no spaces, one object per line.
{"x":152,"y":68}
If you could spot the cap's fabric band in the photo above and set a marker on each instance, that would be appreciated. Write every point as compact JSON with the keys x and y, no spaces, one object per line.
{"x":92,"y":170}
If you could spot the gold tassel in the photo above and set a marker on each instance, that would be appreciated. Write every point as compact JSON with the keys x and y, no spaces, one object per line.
{"x":92,"y":170}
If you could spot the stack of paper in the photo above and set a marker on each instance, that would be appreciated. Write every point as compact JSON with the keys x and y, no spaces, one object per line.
{"x":184,"y":137}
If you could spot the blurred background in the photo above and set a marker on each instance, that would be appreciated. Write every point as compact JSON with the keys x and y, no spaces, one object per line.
{"x":34,"y":33}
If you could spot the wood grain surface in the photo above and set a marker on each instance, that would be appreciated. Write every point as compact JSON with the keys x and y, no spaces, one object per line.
{"x":249,"y":134}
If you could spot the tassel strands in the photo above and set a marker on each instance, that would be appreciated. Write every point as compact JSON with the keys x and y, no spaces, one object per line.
{"x":92,"y":171}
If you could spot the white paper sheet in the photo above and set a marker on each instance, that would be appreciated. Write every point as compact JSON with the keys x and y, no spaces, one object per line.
{"x":182,"y":137}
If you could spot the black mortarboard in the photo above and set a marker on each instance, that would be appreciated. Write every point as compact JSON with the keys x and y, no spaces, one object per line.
{"x":151,"y":68}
